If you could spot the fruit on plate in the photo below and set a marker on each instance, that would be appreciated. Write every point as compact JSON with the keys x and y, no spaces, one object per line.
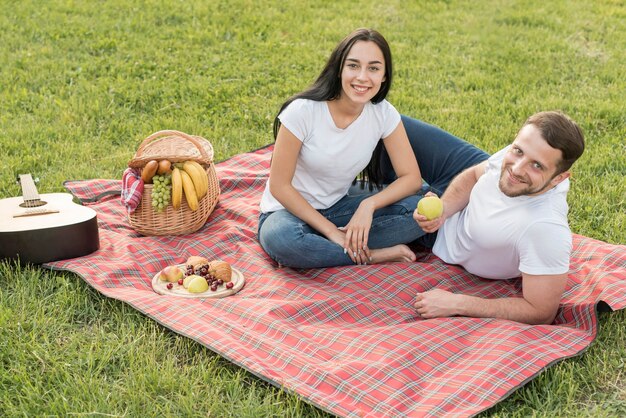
{"x":198,"y":285}
{"x":189,"y":278}
{"x":171,"y":274}
{"x":221,"y":270}
{"x":196,"y":262}
{"x":430,"y":206}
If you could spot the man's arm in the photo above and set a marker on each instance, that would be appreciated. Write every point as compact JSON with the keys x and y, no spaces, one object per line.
{"x":455,"y":198}
{"x":539,"y":304}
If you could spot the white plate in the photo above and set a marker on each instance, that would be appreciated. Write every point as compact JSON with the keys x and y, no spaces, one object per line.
{"x":160,"y":287}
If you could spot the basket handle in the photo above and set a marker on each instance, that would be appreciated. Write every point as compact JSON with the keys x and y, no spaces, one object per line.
{"x":169,"y":132}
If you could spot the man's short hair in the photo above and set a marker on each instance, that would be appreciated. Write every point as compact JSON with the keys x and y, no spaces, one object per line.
{"x":562,"y":133}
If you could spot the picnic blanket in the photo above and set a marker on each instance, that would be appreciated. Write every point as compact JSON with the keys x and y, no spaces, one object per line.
{"x":346,"y":339}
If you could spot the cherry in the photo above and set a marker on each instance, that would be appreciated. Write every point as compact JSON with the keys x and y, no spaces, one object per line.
{"x":170,"y":286}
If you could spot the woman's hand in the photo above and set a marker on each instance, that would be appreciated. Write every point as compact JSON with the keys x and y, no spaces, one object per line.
{"x":357,"y":233}
{"x":338,"y":236}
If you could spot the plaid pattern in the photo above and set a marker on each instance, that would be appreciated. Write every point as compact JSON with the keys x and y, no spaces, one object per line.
{"x":346,"y":339}
{"x":132,"y":189}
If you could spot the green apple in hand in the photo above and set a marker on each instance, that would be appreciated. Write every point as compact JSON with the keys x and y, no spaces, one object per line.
{"x":430,"y":206}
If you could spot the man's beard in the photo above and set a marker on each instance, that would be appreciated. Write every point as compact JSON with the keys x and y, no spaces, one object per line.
{"x":524,"y":190}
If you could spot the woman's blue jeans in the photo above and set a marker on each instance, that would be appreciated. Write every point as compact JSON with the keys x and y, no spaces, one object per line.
{"x":440,"y":155}
{"x":292,"y":242}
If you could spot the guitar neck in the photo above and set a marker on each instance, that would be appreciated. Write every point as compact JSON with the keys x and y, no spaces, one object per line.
{"x":29,"y":190}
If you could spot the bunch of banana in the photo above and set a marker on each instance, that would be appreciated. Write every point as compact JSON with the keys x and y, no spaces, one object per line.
{"x":191,"y":178}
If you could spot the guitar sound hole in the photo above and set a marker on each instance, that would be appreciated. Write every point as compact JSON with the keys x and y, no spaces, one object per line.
{"x":32,"y":204}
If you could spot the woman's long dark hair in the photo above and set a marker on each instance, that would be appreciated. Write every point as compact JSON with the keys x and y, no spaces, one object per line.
{"x":328,"y":87}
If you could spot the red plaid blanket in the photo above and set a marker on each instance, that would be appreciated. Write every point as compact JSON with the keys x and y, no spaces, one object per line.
{"x":346,"y":339}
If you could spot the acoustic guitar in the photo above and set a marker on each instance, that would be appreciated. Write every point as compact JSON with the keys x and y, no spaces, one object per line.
{"x":39,"y":229}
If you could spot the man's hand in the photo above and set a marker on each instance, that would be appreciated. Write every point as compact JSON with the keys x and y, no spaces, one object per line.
{"x":436,"y":303}
{"x":428,"y":226}
{"x":455,"y":198}
{"x":538,"y":305}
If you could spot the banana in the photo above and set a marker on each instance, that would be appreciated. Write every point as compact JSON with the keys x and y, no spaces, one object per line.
{"x":202,"y":171}
{"x":177,"y":188}
{"x":189,"y":189}
{"x":198,"y":176}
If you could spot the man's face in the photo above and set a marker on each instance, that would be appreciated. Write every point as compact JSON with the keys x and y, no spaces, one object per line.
{"x":529,"y":167}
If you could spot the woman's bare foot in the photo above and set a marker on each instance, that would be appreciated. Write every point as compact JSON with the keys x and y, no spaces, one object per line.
{"x":397,"y":253}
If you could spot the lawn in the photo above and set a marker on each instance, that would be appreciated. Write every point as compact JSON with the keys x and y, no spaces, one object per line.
{"x":83,"y":82}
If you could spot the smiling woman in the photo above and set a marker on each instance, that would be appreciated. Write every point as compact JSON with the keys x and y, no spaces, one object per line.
{"x":83,"y":83}
{"x":325,"y":137}
{"x":361,"y":76}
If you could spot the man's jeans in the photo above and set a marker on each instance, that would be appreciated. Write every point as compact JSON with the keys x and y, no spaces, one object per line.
{"x":440,"y":155}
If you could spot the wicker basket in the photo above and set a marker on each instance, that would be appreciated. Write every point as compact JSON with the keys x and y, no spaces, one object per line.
{"x":174,"y":146}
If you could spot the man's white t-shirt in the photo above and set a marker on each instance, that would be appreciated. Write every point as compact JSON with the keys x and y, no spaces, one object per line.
{"x":499,"y":237}
{"x":330,"y":157}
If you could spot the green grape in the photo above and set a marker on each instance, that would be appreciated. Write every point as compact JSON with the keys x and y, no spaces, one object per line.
{"x":161,"y":191}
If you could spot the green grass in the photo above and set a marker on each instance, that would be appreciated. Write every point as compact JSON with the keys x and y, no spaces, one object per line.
{"x":83,"y":82}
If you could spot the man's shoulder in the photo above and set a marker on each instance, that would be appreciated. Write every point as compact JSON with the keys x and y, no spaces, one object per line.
{"x":546,"y":228}
{"x":545,"y":248}
{"x":551,"y":204}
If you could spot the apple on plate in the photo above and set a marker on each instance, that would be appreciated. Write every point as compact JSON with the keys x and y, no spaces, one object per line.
{"x":171,"y":274}
{"x":430,"y":206}
{"x":188,"y":280}
{"x":198,"y":284}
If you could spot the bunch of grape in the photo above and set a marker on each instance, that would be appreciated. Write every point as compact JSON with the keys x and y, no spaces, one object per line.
{"x":161,"y":191}
{"x":205,"y":272}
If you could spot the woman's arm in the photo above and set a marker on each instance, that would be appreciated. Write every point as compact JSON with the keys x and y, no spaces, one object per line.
{"x":409,"y":181}
{"x":282,"y":169}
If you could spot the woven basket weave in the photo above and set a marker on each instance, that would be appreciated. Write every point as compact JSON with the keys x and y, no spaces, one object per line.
{"x":176,"y":147}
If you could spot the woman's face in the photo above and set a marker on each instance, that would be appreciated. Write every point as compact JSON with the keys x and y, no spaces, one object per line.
{"x":363,"y":72}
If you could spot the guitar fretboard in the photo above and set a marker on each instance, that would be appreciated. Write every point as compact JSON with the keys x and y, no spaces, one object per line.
{"x":29,"y":191}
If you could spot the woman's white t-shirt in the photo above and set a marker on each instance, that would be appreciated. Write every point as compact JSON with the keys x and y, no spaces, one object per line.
{"x":330,"y":157}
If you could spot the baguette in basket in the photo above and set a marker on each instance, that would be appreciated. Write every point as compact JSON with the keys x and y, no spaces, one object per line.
{"x":181,"y":187}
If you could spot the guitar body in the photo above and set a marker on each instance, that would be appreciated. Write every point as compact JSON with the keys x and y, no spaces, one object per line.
{"x":52,"y":228}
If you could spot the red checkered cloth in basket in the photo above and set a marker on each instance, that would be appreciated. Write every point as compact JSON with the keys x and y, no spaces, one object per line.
{"x":346,"y":339}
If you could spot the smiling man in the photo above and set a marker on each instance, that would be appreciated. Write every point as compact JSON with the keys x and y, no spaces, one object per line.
{"x":506,"y":217}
